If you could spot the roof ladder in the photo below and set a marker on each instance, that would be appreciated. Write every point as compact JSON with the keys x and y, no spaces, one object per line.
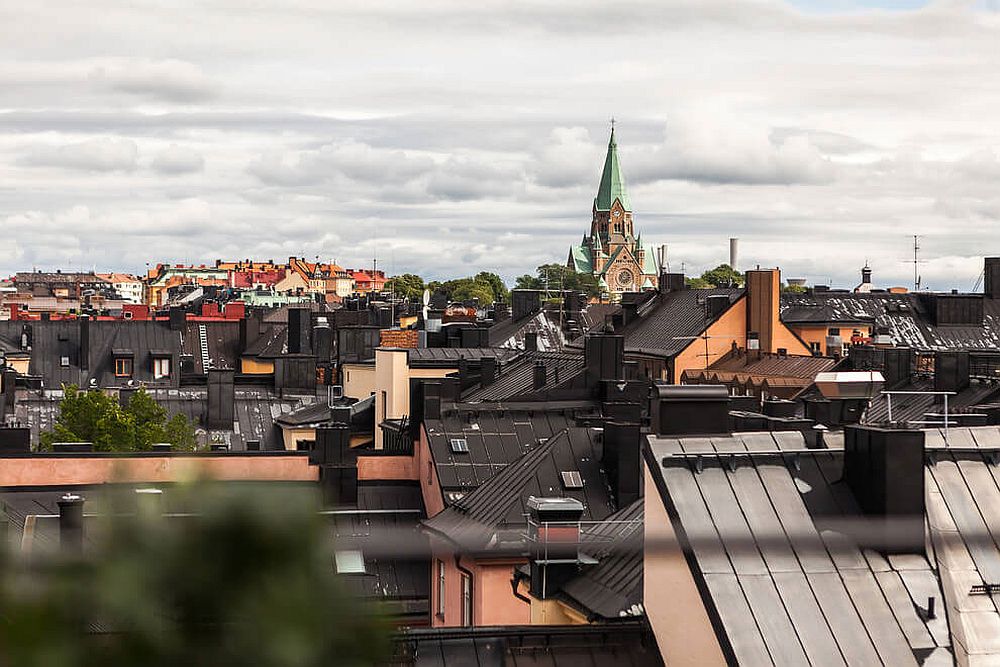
{"x":206,"y":361}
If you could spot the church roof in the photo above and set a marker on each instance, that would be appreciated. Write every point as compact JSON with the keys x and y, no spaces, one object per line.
{"x":612,"y":180}
{"x":582,"y":259}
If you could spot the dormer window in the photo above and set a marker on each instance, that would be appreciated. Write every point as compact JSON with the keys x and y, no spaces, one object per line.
{"x":123,"y":367}
{"x":161,"y":368}
{"x":123,"y":363}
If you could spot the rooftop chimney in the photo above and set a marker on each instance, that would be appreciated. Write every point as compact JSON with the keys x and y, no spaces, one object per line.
{"x":991,"y":284}
{"x":604,"y":356}
{"x":71,"y":523}
{"x":540,"y":375}
{"x":866,"y":275}
{"x":84,"y":342}
{"x":763,"y":294}
{"x":178,"y":318}
{"x":221,"y":399}
{"x":524,"y":302}
{"x":690,"y":409}
{"x":951,"y":371}
{"x":487,"y":371}
{"x":884,"y":468}
{"x":554,"y":531}
{"x":531,"y":341}
{"x":621,"y":460}
{"x":671,"y":282}
{"x":298,"y":323}
{"x":322,"y":340}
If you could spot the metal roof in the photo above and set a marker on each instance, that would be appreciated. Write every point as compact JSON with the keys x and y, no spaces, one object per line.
{"x":612,"y":184}
{"x":480,"y":517}
{"x":905,"y":316}
{"x":516,"y":379}
{"x":668,"y":322}
{"x":785,"y":586}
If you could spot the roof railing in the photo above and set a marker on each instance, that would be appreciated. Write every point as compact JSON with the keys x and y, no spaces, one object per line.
{"x":945,"y":422}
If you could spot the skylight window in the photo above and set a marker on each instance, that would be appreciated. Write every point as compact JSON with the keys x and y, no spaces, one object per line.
{"x":350,"y":561}
{"x":571,"y":479}
{"x":459,"y":445}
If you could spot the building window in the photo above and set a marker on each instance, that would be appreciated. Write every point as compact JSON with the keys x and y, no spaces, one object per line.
{"x":123,"y":367}
{"x":815,"y":347}
{"x":64,"y":361}
{"x":161,"y":368}
{"x":440,"y":587}
{"x":466,"y":600}
{"x":349,"y":561}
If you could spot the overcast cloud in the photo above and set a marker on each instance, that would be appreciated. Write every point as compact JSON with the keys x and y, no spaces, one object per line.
{"x":451,"y":137}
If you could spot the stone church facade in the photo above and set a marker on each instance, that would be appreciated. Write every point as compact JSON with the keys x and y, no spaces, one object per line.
{"x":612,"y":252}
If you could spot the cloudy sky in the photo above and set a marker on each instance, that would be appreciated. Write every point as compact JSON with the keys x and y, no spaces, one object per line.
{"x":450,"y":137}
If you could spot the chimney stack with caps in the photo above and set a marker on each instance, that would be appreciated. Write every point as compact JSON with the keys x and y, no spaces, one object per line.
{"x":71,"y":523}
{"x":540,"y":375}
{"x":221,"y":399}
{"x":338,"y":466}
{"x":177,"y":318}
{"x":554,"y":531}
{"x":884,"y":468}
{"x":991,"y":282}
{"x":84,"y":342}
{"x":621,"y":460}
{"x":322,"y":340}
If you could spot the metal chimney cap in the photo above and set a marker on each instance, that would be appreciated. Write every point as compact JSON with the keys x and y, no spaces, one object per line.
{"x":71,"y":498}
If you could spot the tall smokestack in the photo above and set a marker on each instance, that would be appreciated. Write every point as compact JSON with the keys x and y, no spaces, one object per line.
{"x":734,"y":247}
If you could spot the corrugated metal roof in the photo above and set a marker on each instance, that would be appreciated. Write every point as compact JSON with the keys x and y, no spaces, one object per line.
{"x":516,"y":379}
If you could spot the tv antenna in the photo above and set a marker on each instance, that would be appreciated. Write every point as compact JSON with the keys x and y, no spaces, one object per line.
{"x":916,"y":261}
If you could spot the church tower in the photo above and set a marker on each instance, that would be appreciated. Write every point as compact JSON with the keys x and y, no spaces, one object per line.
{"x":612,"y":252}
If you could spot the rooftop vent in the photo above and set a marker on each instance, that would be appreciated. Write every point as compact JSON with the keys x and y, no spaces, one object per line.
{"x":849,"y":384}
{"x":459,"y":445}
{"x":571,"y":479}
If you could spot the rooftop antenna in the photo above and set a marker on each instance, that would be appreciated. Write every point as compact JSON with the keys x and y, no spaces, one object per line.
{"x":916,"y":261}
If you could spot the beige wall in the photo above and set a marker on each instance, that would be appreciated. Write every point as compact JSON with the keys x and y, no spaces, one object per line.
{"x":673,"y":604}
{"x":493,"y":601}
{"x":384,"y":468}
{"x":96,"y":469}
{"x":291,"y":436}
{"x":392,"y":385}
{"x":358,"y":380}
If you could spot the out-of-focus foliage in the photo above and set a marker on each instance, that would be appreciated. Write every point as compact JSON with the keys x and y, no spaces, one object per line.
{"x":245,"y":577}
{"x":96,"y":417}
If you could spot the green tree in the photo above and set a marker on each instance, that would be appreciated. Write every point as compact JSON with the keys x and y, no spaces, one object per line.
{"x":557,"y":277}
{"x":407,"y":286}
{"x":246,"y":578}
{"x":497,"y":286}
{"x":697,"y":283}
{"x":98,"y":418}
{"x":467,"y":289}
{"x":723,"y":276}
{"x":794,"y":289}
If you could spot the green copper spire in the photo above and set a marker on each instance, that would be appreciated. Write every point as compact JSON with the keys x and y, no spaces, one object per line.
{"x":612,"y":181}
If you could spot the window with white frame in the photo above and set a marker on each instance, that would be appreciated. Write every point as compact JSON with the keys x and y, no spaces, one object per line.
{"x":440,"y":588}
{"x":466,"y":600}
{"x":161,"y":368}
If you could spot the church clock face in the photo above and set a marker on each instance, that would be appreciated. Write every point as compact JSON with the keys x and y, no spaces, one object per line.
{"x":624,"y":278}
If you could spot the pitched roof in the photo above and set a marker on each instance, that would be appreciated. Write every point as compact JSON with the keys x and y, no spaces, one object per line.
{"x":668,"y":322}
{"x":481,"y":518}
{"x":612,"y":588}
{"x":784,"y":583}
{"x":906,"y":317}
{"x":516,"y":379}
{"x":612,"y":185}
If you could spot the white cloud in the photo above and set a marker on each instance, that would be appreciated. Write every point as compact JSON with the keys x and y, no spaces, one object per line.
{"x":104,"y":154}
{"x":176,"y":159}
